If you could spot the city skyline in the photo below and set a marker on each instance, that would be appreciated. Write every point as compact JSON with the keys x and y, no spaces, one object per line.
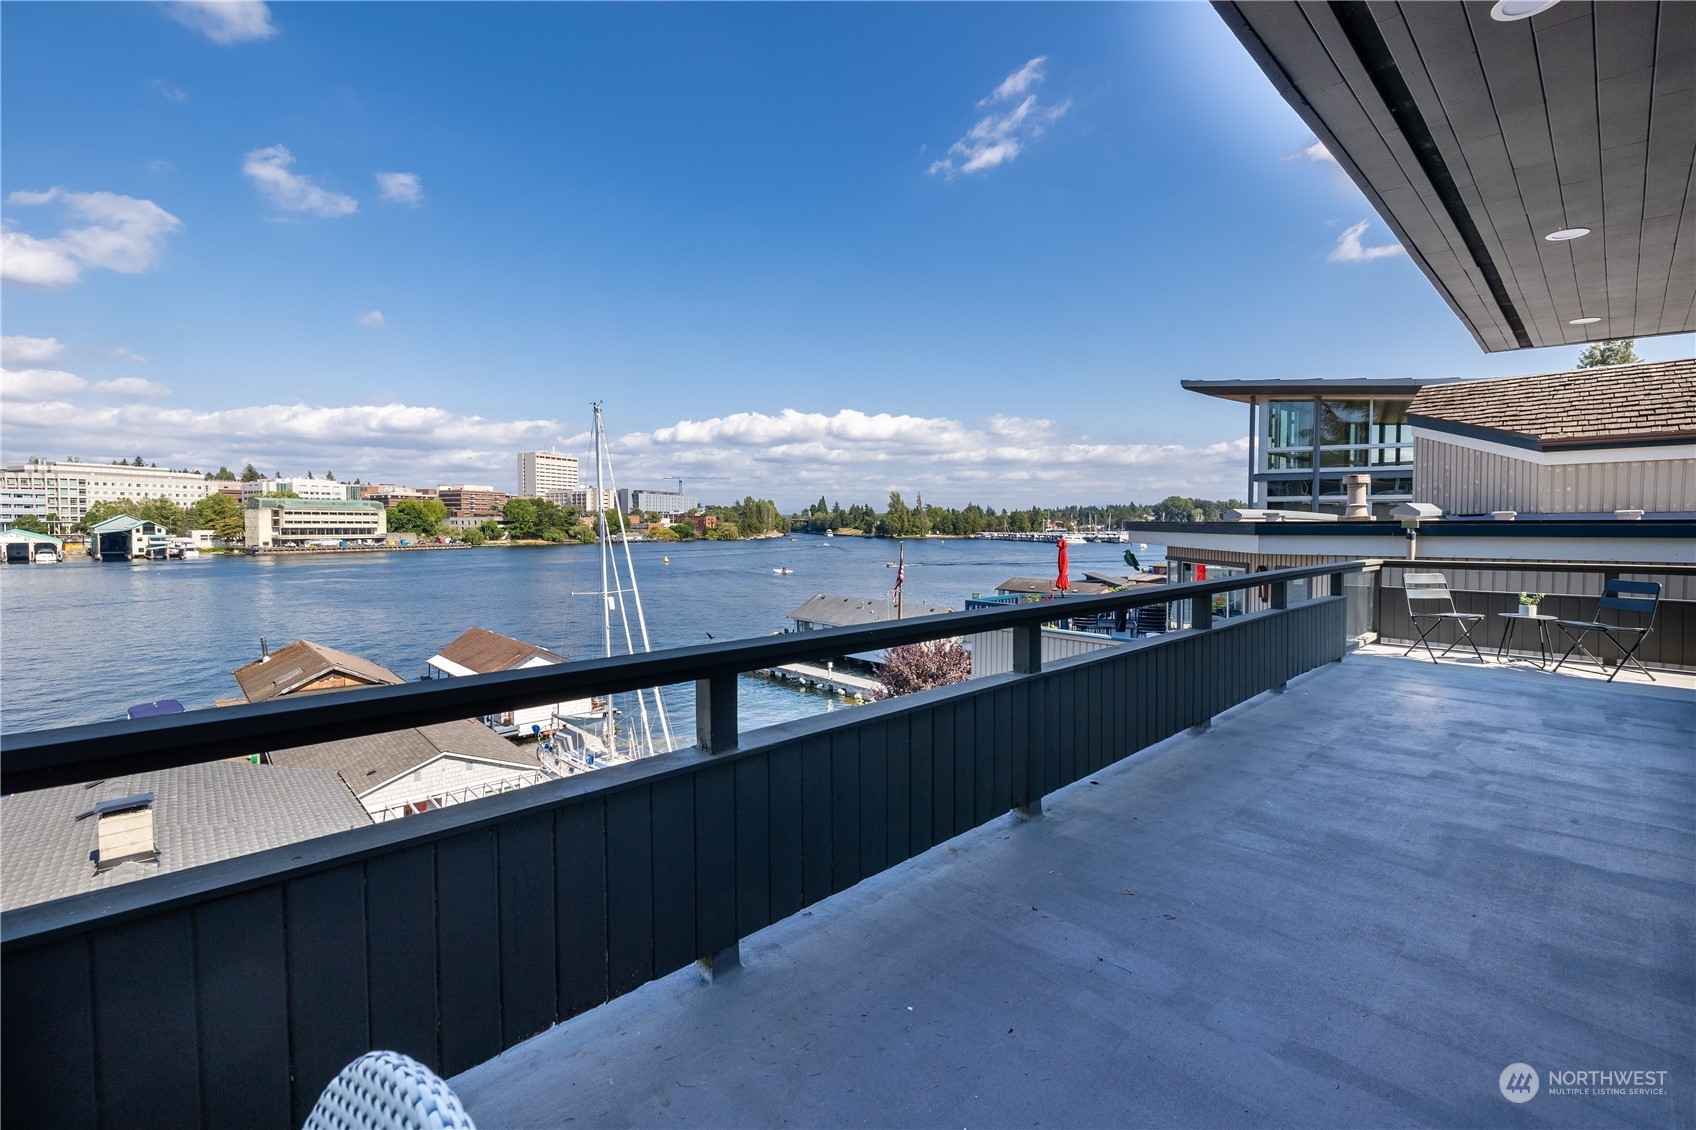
{"x":960,"y":250}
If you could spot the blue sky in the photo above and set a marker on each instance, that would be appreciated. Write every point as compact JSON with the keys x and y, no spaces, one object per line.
{"x":962,"y":249}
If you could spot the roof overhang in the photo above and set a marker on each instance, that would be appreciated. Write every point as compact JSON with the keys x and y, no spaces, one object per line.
{"x":1476,"y":139}
{"x":1338,"y":389}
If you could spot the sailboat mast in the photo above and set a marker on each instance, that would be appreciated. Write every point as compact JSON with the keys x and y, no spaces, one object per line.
{"x":606,"y":549}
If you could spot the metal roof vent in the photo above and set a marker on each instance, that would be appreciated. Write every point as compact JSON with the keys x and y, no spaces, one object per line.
{"x":124,"y":832}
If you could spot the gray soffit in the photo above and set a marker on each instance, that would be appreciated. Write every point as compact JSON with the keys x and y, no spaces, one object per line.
{"x":1475,"y":139}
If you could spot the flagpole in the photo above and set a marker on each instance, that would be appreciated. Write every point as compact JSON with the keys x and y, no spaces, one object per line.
{"x":900,"y":578}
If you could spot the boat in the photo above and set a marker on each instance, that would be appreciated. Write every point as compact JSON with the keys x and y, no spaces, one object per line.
{"x":830,"y":533}
{"x":783,"y":570}
{"x":189,"y":553}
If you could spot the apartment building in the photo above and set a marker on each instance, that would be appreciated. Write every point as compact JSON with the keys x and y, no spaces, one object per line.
{"x":666,"y":503}
{"x":542,"y":471}
{"x":304,"y":487}
{"x":68,"y":489}
{"x":466,"y":501}
{"x":585,"y":499}
{"x":308,"y":521}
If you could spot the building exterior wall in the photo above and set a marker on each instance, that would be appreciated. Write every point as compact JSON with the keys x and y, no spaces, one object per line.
{"x":1472,"y":479}
{"x":68,"y":489}
{"x":667,"y":502}
{"x":447,"y":780}
{"x":301,"y":521}
{"x":586,"y":499}
{"x":471,"y":501}
{"x":542,"y":471}
{"x":306,"y":488}
{"x":992,"y":652}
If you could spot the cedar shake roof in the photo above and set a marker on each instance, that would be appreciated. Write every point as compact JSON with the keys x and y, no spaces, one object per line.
{"x":300,"y":663}
{"x":201,"y":814}
{"x":369,"y":761}
{"x":1611,"y":405}
{"x":483,"y":651}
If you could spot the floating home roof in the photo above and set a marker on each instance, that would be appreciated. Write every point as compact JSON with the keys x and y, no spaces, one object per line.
{"x":300,"y":663}
{"x":483,"y":651}
{"x":1301,"y":388}
{"x":1607,"y":406}
{"x":368,"y":761}
{"x":845,"y":611}
{"x":201,"y":814}
{"x":1477,"y":138}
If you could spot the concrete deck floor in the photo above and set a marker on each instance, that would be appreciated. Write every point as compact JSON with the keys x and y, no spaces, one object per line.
{"x":1353,"y":904}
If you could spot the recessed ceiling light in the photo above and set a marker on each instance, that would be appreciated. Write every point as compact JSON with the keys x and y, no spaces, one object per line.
{"x":1509,"y":10}
{"x":1566,"y":234}
{"x":1582,"y":321}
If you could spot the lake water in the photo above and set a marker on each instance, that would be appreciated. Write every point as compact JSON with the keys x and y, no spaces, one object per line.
{"x":83,"y":641}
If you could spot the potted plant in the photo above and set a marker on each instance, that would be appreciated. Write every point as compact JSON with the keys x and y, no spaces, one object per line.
{"x":1528,"y":602}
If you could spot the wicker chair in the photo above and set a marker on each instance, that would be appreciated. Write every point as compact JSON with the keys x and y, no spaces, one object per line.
{"x":390,"y":1091}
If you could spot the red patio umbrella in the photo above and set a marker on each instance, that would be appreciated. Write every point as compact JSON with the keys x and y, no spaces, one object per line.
{"x":1064,"y":581}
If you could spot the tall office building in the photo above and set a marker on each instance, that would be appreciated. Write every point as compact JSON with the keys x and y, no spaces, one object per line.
{"x":542,"y":471}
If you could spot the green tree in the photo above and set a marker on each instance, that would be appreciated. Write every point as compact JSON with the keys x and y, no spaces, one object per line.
{"x":473,"y":536}
{"x":417,"y":516}
{"x":1614,"y":351}
{"x":250,"y":474}
{"x":29,"y":523}
{"x":166,"y":513}
{"x":221,"y":514}
{"x":224,"y":475}
{"x":98,"y":512}
{"x":139,"y":462}
{"x":492,"y":530}
{"x":281,"y":492}
{"x":684,"y":531}
{"x":330,"y":476}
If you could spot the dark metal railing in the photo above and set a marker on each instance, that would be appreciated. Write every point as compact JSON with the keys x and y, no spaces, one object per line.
{"x":229,"y":994}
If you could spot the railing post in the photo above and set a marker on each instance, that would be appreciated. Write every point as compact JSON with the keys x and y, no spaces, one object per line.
{"x":715,"y":712}
{"x":1280,"y":594}
{"x":1027,"y":649}
{"x":1201,"y":612}
{"x":1337,"y":584}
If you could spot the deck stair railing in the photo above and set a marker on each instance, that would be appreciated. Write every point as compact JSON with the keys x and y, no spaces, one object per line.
{"x":230,"y":994}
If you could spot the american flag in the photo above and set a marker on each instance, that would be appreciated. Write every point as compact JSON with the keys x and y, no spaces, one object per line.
{"x":901,"y":574}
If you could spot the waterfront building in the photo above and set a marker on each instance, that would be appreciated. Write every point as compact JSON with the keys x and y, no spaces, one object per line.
{"x":390,"y":493}
{"x":68,"y":488}
{"x":304,"y":667}
{"x":478,"y":651}
{"x":75,"y":838}
{"x":312,"y":521}
{"x":21,"y":547}
{"x":540,"y":472}
{"x":123,"y":538}
{"x":831,"y":610}
{"x":584,"y":499}
{"x":665,"y":503}
{"x":313,"y":488}
{"x":465,"y":501}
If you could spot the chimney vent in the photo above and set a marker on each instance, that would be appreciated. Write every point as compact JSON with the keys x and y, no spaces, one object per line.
{"x":123,"y":830}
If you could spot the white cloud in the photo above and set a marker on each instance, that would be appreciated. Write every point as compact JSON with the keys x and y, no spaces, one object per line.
{"x":161,"y":165}
{"x":291,"y":192}
{"x":132,"y":386}
{"x":1016,"y":83}
{"x":1315,"y":152}
{"x":372,"y":319}
{"x":32,"y":386}
{"x":169,"y":91}
{"x":15,"y":349}
{"x":122,"y":354}
{"x":402,"y":188}
{"x":121,"y":233}
{"x":1349,"y":249}
{"x":790,"y":456}
{"x":225,"y":21}
{"x":1001,"y":136}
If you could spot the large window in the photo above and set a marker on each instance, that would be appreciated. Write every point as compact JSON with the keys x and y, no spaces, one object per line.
{"x":1290,"y":423}
{"x":1344,"y":422}
{"x":1389,"y":423}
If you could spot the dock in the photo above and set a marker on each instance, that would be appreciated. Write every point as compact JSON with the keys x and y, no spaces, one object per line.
{"x":809,"y":675}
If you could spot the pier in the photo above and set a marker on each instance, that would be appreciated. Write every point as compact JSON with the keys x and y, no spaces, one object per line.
{"x":807,"y":674}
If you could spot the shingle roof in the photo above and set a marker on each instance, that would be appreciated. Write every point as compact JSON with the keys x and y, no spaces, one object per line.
{"x":201,"y":814}
{"x":483,"y":651}
{"x":301,"y":662}
{"x":365,"y":762}
{"x":1612,"y":404}
{"x":1093,"y":584}
{"x":842,"y":611}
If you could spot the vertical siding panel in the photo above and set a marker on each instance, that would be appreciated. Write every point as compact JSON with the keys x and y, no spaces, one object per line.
{"x":898,"y":797}
{"x":815,"y":821}
{"x":965,"y":766}
{"x":844,"y":810}
{"x":717,"y":892}
{"x":580,"y":905}
{"x":527,"y":980}
{"x":48,"y":1011}
{"x":673,"y":832}
{"x":468,"y":945}
{"x":942,"y":773}
{"x":400,"y":953}
{"x":630,"y":890}
{"x":144,"y":1021}
{"x":327,"y":978}
{"x":753,"y":844}
{"x":983,"y":774}
{"x":874,"y":799}
{"x":921,"y":810}
{"x":1002,"y":728}
{"x":788,"y":830}
{"x":242,"y":978}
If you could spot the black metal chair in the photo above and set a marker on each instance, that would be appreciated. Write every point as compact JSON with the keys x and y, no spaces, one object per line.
{"x":1424,"y":592}
{"x":1639,"y":597}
